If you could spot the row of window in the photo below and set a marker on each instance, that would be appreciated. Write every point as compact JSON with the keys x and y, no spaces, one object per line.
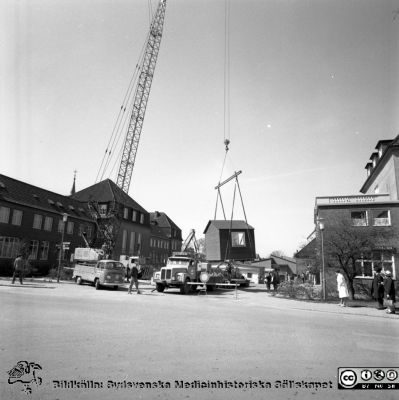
{"x":376,"y":259}
{"x":41,"y":222}
{"x":131,"y":242}
{"x":161,"y":244}
{"x":10,"y":247}
{"x":176,"y":245}
{"x":371,"y":217}
{"x":133,"y":215}
{"x":157,"y":258}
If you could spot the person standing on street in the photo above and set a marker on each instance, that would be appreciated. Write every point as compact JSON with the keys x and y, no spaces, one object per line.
{"x":389,"y":287}
{"x":268,"y":281}
{"x":134,"y":278}
{"x":18,"y":269}
{"x":377,"y":288}
{"x":275,"y":280}
{"x":342,"y":286}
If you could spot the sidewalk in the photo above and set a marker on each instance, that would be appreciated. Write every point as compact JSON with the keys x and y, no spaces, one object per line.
{"x":253,"y":295}
{"x":357,"y":307}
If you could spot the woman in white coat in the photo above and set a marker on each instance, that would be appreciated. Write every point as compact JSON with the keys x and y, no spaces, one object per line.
{"x":343,"y":293}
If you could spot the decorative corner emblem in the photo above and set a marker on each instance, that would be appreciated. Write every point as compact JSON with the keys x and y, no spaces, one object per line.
{"x":26,"y":373}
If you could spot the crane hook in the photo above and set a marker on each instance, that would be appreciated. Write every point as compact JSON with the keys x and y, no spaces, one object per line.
{"x":227,"y":142}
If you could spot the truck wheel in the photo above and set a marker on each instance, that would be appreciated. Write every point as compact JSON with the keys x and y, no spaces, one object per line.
{"x":116,"y":287}
{"x":160,"y":287}
{"x":185,"y":288}
{"x":79,"y":280}
{"x":97,"y":284}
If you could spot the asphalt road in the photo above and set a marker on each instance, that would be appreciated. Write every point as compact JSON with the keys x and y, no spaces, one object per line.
{"x":246,"y":339}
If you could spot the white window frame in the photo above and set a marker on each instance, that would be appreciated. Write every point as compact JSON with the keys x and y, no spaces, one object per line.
{"x":17,"y":217}
{"x":9,"y":246}
{"x":360,"y":221}
{"x":134,"y":216}
{"x":374,"y":262}
{"x":33,"y":249}
{"x":381,"y":221}
{"x":125,"y":213}
{"x":238,"y":239}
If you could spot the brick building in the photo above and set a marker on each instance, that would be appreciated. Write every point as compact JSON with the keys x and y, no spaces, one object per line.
{"x":33,"y":217}
{"x":371,"y":217}
{"x":166,"y":237}
{"x":130,"y":221}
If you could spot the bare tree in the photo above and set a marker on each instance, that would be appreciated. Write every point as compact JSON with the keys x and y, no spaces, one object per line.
{"x":345,"y":244}
{"x":277,"y":253}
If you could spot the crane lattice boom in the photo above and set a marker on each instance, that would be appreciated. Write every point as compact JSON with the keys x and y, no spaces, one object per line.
{"x":147,"y":68}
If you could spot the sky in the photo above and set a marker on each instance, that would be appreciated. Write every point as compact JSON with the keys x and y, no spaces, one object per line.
{"x":313,"y":86}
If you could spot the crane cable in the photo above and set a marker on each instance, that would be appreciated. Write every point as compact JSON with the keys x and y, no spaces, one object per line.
{"x":122,"y":118}
{"x":226,"y":97}
{"x":226,"y":127}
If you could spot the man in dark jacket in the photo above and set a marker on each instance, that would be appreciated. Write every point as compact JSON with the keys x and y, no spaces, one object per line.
{"x":377,"y":288}
{"x":18,"y":268}
{"x":134,"y":278}
{"x":389,"y":287}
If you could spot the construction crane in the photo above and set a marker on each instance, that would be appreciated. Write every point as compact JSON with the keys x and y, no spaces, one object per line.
{"x":147,"y":68}
{"x":108,"y":225}
{"x":190,"y":238}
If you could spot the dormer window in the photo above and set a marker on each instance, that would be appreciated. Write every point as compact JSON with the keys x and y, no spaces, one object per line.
{"x":369,"y":168}
{"x":50,"y":202}
{"x":59,"y":204}
{"x":374,"y":159}
{"x":102,"y":208}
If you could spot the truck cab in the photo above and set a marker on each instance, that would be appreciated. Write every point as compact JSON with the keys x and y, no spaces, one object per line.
{"x":180,"y":272}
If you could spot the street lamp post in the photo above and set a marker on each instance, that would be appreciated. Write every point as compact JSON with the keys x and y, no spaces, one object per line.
{"x":64,"y":220}
{"x":323,"y":274}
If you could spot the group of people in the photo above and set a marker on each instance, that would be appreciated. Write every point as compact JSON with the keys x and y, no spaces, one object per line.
{"x":272,"y":278}
{"x":382,"y":288}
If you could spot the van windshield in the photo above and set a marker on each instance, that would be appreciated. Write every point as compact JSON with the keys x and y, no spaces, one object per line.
{"x":111,"y":265}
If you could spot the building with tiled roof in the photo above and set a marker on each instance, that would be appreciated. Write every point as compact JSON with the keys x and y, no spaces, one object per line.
{"x":383,"y":169}
{"x":33,"y":217}
{"x":169,"y":228}
{"x":130,"y":221}
{"x":159,"y":245}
